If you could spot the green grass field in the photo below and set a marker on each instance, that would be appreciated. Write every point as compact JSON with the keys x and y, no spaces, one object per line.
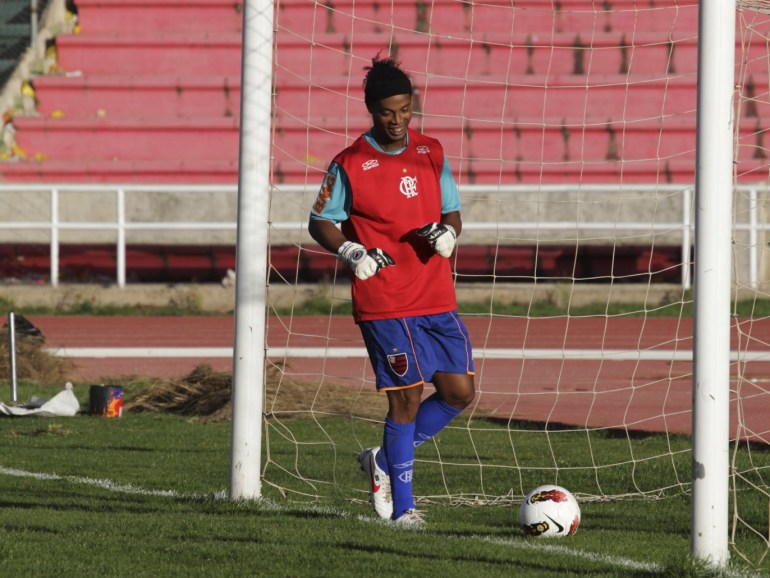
{"x":145,"y":495}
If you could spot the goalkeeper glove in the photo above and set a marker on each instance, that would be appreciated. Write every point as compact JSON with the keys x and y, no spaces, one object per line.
{"x":440,"y":236}
{"x":364,"y":263}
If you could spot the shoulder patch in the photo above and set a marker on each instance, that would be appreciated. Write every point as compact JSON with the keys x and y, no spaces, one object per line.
{"x":325,"y":193}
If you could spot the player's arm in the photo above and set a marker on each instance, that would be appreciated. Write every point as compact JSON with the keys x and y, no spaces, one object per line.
{"x":332,"y":206}
{"x":442,"y":235}
{"x":454,"y":220}
{"x":325,"y":233}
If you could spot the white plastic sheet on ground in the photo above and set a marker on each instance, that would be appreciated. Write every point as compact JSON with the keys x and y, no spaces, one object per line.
{"x":63,"y":403}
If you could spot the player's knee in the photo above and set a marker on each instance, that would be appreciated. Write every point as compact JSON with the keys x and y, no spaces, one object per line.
{"x":461,"y":398}
{"x":404,"y":404}
{"x":468,"y":398}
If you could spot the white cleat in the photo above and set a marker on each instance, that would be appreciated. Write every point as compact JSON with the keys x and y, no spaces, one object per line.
{"x":379,"y":483}
{"x":411,"y":517}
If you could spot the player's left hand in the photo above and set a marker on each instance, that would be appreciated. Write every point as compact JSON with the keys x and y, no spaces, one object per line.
{"x":442,"y":237}
{"x":364,"y":263}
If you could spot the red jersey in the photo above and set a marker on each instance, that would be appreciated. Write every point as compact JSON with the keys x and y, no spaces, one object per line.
{"x":393,"y":195}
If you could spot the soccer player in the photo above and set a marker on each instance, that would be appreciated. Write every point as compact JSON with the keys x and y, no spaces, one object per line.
{"x":397,"y":203}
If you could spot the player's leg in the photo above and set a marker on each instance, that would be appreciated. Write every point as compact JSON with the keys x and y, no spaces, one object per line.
{"x":392,"y":353}
{"x":453,"y":378}
{"x":454,"y":392}
{"x":398,"y":443}
{"x":456,"y":389}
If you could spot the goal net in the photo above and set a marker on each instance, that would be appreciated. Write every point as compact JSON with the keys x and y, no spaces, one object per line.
{"x":570,"y":127}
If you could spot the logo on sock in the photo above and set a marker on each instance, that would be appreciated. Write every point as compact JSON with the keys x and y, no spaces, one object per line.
{"x":422,"y":440}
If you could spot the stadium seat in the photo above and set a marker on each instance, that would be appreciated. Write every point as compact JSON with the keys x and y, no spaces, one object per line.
{"x":123,"y":96}
{"x":157,"y":138}
{"x":170,"y":53}
{"x":150,"y":90}
{"x":141,"y":16}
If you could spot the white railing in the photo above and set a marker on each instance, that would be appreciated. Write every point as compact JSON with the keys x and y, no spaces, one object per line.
{"x":681,"y":226}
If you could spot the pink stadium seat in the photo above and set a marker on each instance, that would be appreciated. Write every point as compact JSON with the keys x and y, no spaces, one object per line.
{"x":152,"y":89}
{"x":506,"y":97}
{"x":172,"y":53}
{"x":123,"y":171}
{"x":131,"y":16}
{"x":585,"y":16}
{"x":127,"y":139}
{"x":309,"y":18}
{"x":112,"y":96}
{"x":495,"y":54}
{"x":457,"y":16}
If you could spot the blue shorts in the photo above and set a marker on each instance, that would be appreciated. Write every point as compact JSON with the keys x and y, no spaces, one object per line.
{"x":407,"y":351}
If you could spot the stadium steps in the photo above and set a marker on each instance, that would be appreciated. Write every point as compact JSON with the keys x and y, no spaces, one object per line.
{"x":123,"y":171}
{"x":132,"y":16}
{"x":505,"y":97}
{"x":129,"y":138}
{"x":522,"y":139}
{"x":470,"y":171}
{"x":170,"y":121}
{"x":133,"y":103}
{"x":528,"y":139}
{"x":220,"y":53}
{"x":498,"y":53}
{"x":171,"y":52}
{"x":457,"y":17}
{"x":138,"y":96}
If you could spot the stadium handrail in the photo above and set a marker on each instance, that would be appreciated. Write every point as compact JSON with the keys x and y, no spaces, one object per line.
{"x":682,"y":226}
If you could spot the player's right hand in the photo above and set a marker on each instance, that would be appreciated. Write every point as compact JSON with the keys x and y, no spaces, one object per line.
{"x":442,"y":237}
{"x":364,"y":263}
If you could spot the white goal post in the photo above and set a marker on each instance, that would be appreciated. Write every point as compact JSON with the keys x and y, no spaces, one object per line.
{"x":713,"y":282}
{"x":252,"y":248}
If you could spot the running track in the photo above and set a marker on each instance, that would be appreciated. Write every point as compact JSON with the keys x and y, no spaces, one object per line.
{"x":599,"y":372}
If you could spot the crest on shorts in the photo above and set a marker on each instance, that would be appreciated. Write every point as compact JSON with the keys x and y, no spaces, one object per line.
{"x":398,"y":363}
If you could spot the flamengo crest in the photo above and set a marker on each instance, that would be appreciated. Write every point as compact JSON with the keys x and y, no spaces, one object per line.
{"x":398,"y":363}
{"x":409,"y":186}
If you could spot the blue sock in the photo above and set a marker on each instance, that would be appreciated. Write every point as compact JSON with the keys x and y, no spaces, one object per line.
{"x":433,"y":416}
{"x":399,"y":452}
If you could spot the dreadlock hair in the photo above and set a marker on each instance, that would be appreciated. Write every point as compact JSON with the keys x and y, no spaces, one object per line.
{"x":384,"y":78}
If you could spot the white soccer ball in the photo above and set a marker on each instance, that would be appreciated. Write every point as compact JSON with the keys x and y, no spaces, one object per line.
{"x":549,"y":511}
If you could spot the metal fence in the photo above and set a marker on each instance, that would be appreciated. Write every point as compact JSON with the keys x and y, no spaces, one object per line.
{"x":596,"y":214}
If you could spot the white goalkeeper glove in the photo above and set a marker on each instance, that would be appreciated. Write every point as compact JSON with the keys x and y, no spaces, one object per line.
{"x":364,"y":263}
{"x":441,"y":237}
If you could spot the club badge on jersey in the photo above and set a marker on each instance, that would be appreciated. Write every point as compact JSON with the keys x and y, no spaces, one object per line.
{"x":408,"y":186}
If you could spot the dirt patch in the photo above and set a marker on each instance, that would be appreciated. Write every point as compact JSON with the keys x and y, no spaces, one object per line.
{"x":206,"y":395}
{"x":34,"y":364}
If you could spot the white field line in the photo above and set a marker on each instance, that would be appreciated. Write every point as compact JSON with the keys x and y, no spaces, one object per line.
{"x":271,"y":505}
{"x":544,"y":546}
{"x":360,"y":352}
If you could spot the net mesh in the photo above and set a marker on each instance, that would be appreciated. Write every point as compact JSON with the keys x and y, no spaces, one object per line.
{"x":570,"y":128}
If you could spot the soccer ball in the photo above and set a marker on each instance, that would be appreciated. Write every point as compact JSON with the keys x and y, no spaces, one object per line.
{"x":549,"y":511}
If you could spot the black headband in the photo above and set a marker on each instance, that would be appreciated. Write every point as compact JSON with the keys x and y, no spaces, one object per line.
{"x":375,"y":91}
